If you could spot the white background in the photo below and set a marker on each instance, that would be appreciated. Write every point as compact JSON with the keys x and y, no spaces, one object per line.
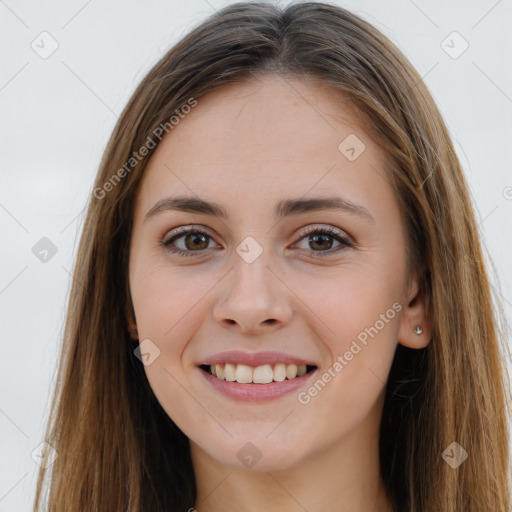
{"x":57,"y":114}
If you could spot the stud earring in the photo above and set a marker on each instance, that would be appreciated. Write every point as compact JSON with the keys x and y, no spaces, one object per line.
{"x":418,"y":330}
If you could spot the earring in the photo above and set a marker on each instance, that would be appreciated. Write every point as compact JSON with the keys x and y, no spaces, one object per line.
{"x":418,"y":330}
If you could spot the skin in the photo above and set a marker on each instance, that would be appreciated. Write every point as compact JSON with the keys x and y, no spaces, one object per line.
{"x":247,"y":146}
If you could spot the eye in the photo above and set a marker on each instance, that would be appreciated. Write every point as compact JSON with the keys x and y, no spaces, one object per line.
{"x":187,"y":241}
{"x":321,"y":240}
{"x":194,"y":240}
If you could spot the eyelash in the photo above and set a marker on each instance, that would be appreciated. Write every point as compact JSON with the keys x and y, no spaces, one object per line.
{"x":308,"y":231}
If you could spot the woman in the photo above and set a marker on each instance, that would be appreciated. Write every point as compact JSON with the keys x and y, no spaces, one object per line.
{"x":280,"y":301}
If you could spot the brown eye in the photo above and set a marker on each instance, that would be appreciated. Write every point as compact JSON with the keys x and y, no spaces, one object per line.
{"x":193,"y":241}
{"x":196,"y":241}
{"x":320,"y":241}
{"x":188,"y":242}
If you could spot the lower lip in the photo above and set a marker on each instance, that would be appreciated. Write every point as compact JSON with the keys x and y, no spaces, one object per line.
{"x":256,"y":392}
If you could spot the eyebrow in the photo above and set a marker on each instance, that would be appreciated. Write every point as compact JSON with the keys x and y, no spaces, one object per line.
{"x":283,"y":209}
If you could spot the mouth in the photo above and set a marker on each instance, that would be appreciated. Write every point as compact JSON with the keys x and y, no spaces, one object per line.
{"x":255,"y":377}
{"x":262,"y":375}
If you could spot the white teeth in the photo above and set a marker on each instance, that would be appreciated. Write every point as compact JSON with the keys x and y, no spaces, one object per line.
{"x":263,"y":374}
{"x":243,"y":374}
{"x":280,"y":372}
{"x":291,"y":371}
{"x":229,"y":372}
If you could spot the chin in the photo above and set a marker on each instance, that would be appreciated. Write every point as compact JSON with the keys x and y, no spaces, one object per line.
{"x":258,"y":455}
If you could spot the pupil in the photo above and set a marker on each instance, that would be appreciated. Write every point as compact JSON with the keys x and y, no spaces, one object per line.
{"x":195,"y":237}
{"x":324,"y":237}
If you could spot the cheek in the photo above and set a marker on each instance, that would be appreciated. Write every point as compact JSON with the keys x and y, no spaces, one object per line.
{"x":356,"y":316}
{"x":170,"y":306}
{"x":348,"y":299}
{"x":361,"y":319}
{"x":169,"y":303}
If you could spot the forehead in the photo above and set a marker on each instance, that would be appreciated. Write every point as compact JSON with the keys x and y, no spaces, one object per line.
{"x":265,"y":138}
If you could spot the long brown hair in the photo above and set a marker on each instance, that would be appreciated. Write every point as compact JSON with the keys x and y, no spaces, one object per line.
{"x":117,"y":450}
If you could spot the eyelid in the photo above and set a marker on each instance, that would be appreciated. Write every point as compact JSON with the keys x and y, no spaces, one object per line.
{"x":187,"y":228}
{"x":335,"y":232}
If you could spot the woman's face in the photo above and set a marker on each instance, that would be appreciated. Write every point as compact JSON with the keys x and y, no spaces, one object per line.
{"x":276,"y":285}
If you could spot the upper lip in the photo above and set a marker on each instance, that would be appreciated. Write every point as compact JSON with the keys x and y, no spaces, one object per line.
{"x":254,"y":358}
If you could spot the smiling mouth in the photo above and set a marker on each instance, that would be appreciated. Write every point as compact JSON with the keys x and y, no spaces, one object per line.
{"x":264,"y":374}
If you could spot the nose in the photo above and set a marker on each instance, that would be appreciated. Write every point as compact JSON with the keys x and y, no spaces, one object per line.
{"x":253,"y":299}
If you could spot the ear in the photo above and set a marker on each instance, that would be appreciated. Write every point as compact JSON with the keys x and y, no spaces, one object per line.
{"x":416,"y":313}
{"x":131,"y":322}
